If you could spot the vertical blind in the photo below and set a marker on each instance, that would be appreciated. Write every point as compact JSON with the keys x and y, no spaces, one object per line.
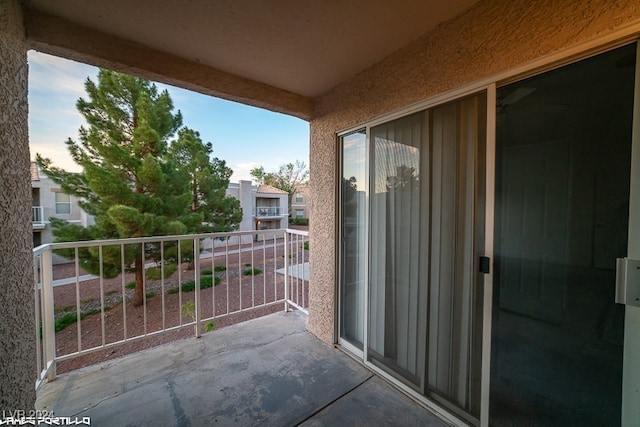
{"x":396,"y":335}
{"x":424,"y":319}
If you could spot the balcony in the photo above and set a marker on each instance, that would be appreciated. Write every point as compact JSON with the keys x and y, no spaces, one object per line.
{"x":266,"y":371}
{"x":253,"y":363}
{"x":37,"y":217}
{"x":85,"y":311}
{"x":270,"y":212}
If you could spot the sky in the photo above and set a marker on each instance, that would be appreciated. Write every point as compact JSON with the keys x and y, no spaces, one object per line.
{"x":245,"y":137}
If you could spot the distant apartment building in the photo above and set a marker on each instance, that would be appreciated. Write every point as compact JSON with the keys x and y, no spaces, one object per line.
{"x":49,"y":201}
{"x":263,"y":207}
{"x":301,"y":202}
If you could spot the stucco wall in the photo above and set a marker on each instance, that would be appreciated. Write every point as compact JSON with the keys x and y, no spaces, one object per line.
{"x":17,"y":346}
{"x":491,"y":37}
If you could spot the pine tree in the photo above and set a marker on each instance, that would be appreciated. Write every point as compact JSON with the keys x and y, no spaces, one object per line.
{"x":209,"y":179}
{"x":129,"y":182}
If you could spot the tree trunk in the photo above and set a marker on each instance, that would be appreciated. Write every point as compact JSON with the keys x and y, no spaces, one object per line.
{"x":138,"y":298}
{"x":194,"y":200}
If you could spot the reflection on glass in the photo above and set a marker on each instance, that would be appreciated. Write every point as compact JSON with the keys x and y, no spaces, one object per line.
{"x":353,"y":199}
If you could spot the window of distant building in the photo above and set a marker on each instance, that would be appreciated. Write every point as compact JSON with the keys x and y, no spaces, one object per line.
{"x":299,"y":198}
{"x":63,"y":204}
{"x":299,"y":213}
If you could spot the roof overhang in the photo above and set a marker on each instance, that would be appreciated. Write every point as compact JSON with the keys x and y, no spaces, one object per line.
{"x":279,"y":55}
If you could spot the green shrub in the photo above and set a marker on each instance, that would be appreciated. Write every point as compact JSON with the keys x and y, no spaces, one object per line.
{"x":190,"y":286}
{"x":206,"y":272}
{"x":71,"y":318}
{"x":299,"y":221}
{"x":210,"y":326}
{"x":206,"y":282}
{"x":220,"y":268}
{"x":189,"y":309}
{"x":155,"y":273}
{"x":150,"y":294}
{"x":306,"y":245}
{"x":130,"y":285}
{"x":66,"y":320}
{"x":252,"y":272}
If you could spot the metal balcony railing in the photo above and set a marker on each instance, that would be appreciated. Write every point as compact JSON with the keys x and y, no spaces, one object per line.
{"x":269,"y":211}
{"x":87,"y":305}
{"x":296,"y":253}
{"x":37,"y":215}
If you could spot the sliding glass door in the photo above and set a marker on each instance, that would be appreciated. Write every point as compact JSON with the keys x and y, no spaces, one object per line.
{"x":564,"y":206}
{"x":563,"y":167}
{"x":421,"y":321}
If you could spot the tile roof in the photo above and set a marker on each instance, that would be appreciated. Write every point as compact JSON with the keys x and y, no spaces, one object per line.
{"x":267,"y":189}
{"x":35,"y":175}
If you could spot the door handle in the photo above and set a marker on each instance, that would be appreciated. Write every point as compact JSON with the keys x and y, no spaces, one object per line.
{"x":484,"y":264}
{"x":628,"y":281}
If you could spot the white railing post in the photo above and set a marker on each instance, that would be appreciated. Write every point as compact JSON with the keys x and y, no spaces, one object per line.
{"x":196,"y":269}
{"x":286,"y":271}
{"x":36,"y":299}
{"x":48,"y":318}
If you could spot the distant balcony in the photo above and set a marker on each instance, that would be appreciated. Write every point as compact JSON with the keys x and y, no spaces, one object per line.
{"x":270,"y":212}
{"x":37,"y":217}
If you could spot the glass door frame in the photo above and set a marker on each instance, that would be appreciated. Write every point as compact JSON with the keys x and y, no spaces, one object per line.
{"x":489,"y":230}
{"x":631,"y":350}
{"x":489,"y":178}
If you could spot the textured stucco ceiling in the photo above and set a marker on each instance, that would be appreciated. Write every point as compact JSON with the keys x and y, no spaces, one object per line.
{"x":303,"y":46}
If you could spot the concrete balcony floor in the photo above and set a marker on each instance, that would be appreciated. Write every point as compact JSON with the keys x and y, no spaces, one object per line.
{"x":266,"y":371}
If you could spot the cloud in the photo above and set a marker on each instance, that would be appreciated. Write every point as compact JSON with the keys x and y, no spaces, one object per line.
{"x":55,"y":85}
{"x":62,"y":158}
{"x":241,"y":171}
{"x":58,"y":76}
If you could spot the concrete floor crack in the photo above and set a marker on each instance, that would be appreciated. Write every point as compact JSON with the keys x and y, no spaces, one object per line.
{"x":336,"y":399}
